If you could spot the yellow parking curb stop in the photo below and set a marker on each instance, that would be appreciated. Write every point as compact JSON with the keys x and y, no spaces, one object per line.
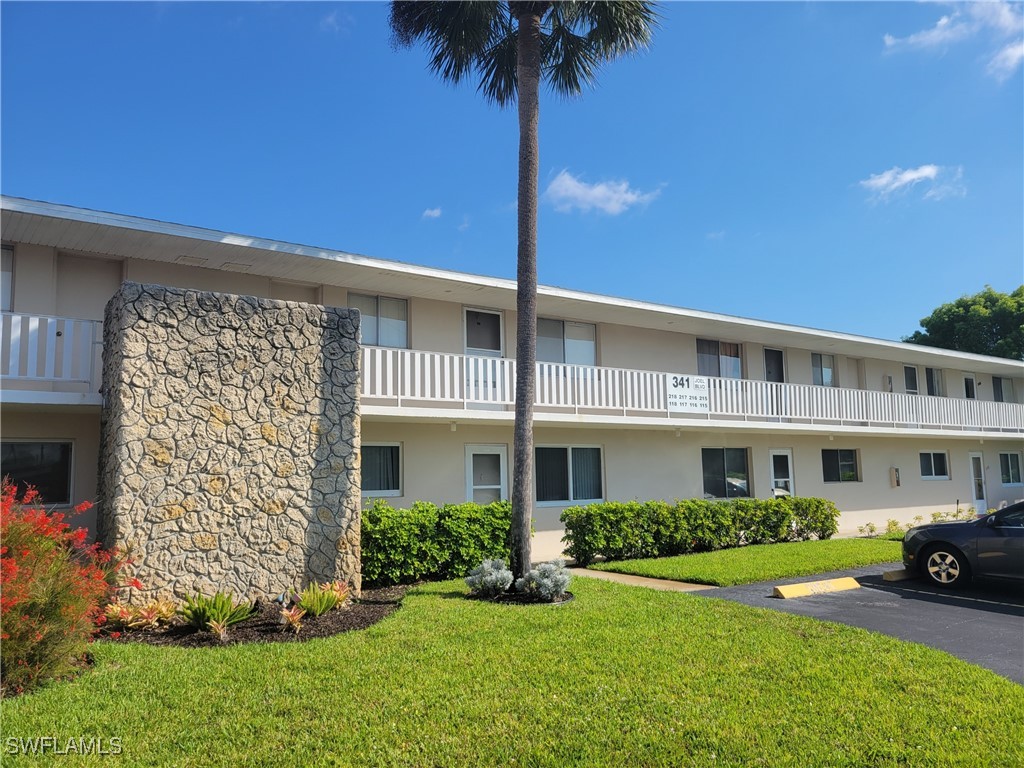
{"x":816,"y":587}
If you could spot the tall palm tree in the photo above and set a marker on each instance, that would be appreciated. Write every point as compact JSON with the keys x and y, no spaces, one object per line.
{"x":510,"y":46}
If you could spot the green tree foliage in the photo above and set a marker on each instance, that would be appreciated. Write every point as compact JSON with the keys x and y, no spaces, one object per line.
{"x":987,"y":323}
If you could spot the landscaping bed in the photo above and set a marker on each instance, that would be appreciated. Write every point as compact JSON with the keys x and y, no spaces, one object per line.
{"x":761,"y":562}
{"x":265,"y":625}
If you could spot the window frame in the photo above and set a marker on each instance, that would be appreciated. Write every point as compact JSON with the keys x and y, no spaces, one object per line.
{"x":934,"y":380}
{"x":917,"y":380}
{"x":1020,"y":469}
{"x":7,"y":298}
{"x":376,"y":298}
{"x":388,"y":494}
{"x":568,"y":458}
{"x":479,"y":351}
{"x":839,"y":464}
{"x":719,"y":343}
{"x":932,"y":455}
{"x":725,"y":468}
{"x":563,"y":322}
{"x":71,"y":442}
{"x":819,"y":371}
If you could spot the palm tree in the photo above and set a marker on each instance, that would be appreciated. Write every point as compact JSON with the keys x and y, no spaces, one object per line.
{"x":510,"y":46}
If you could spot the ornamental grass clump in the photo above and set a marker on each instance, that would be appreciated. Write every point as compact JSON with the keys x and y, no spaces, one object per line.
{"x":548,"y":581}
{"x":203,"y":613}
{"x":52,"y":591}
{"x":489,"y":579}
{"x":317,"y":599}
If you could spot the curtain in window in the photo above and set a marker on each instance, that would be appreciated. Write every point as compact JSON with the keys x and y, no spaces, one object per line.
{"x":586,"y":474}
{"x":393,"y":323}
{"x":581,"y":344}
{"x":550,"y":348}
{"x":380,"y":468}
{"x":367,"y":306}
{"x":823,"y":367}
{"x":552,"y":467}
{"x":729,"y":360}
{"x":707,"y":358}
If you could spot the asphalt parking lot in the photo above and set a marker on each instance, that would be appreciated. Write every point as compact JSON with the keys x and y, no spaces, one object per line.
{"x":983,"y":624}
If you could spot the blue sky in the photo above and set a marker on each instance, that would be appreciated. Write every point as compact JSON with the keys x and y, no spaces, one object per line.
{"x":843,"y":166}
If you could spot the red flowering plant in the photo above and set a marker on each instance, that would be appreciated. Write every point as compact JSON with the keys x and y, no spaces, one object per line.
{"x":53,"y":588}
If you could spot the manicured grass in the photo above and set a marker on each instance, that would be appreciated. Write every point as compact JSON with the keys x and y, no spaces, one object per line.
{"x":745,"y":565}
{"x":620,"y":676}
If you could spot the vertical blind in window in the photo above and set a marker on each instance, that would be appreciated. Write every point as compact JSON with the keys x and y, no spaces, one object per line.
{"x":560,"y":469}
{"x":552,"y":474}
{"x":380,"y":465}
{"x":384,"y":322}
{"x":586,"y":474}
{"x":839,"y":466}
{"x":823,"y":370}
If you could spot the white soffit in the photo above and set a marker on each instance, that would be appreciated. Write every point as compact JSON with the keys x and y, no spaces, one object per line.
{"x":86,"y":231}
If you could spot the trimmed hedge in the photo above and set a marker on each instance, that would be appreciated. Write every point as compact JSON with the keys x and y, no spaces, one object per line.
{"x":430,"y":542}
{"x":632,"y":529}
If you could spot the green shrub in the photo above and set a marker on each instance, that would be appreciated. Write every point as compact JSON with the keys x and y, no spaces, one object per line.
{"x":430,"y":542}
{"x":626,"y":530}
{"x":317,"y":600}
{"x":203,"y":612}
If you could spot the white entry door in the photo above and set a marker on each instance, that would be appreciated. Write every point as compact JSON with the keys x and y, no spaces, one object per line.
{"x":781,"y":460}
{"x":486,"y":473}
{"x":978,"y":482}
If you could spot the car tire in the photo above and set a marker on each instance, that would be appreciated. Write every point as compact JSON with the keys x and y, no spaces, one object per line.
{"x":946,"y":566}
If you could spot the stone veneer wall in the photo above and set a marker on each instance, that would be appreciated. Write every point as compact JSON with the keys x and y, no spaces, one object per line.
{"x":230,"y":441}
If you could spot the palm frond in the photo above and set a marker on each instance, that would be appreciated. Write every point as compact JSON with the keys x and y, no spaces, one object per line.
{"x":456,"y":34}
{"x":497,"y":65}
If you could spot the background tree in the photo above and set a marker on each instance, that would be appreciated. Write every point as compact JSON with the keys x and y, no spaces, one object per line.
{"x":510,"y":47}
{"x":987,"y":323}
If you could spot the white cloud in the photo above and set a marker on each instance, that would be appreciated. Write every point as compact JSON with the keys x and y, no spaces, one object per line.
{"x":465,"y":223}
{"x":336,"y":21}
{"x":992,"y":20}
{"x":937,"y":182}
{"x":719,"y":235}
{"x":566,"y":192}
{"x":1007,"y":61}
{"x":432,"y":213}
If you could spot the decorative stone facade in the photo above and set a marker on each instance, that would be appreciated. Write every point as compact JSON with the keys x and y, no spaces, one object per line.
{"x":230,"y":441}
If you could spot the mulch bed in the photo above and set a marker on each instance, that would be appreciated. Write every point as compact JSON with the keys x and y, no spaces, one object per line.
{"x":517,"y":598}
{"x":265,"y":626}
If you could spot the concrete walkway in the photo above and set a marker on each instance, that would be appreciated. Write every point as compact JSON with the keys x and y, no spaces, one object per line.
{"x":664,"y":585}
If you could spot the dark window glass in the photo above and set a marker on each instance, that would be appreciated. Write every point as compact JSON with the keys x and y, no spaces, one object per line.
{"x":839,"y":466}
{"x":926,"y":465}
{"x":44,"y":466}
{"x":910,"y":379}
{"x":725,"y":472}
{"x":586,"y":474}
{"x":939,"y":464}
{"x":713,"y":460}
{"x":552,"y":468}
{"x":380,"y":468}
{"x":997,"y":389}
{"x":483,"y":331}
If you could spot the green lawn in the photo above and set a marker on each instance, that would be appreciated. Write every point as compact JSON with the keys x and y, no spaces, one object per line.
{"x":621,"y":676}
{"x":745,"y":565}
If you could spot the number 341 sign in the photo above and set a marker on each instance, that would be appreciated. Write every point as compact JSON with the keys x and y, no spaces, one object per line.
{"x":687,"y":393}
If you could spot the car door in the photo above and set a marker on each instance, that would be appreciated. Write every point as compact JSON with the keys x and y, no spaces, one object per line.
{"x":1000,"y":545}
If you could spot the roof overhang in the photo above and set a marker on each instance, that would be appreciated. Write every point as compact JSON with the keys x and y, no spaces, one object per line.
{"x":83,"y":231}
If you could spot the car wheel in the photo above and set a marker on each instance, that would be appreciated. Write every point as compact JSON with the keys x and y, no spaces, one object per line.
{"x":946,"y":566}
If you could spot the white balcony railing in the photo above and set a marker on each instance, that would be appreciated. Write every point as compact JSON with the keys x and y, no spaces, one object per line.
{"x":43,"y":348}
{"x":428,"y":378}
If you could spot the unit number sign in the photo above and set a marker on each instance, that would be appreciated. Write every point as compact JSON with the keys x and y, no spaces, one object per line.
{"x":687,"y":393}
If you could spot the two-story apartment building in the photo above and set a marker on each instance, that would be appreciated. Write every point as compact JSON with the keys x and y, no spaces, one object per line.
{"x":634,"y":400}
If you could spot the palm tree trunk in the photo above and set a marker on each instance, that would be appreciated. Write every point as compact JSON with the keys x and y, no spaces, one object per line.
{"x":528,"y":74}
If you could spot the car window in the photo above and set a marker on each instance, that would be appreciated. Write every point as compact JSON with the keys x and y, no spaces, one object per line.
{"x":1011,"y":519}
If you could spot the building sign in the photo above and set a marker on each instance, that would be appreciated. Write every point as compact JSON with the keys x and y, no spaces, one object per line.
{"x":687,"y":394}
